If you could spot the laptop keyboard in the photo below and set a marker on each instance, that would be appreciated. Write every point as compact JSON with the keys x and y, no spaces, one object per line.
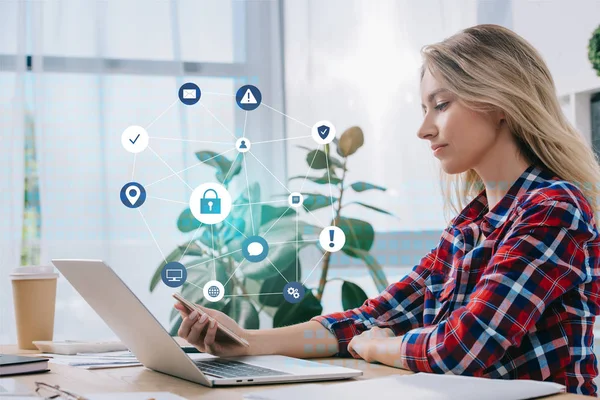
{"x":222,"y":368}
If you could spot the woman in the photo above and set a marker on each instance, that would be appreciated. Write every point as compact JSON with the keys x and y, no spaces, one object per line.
{"x":511,"y":291}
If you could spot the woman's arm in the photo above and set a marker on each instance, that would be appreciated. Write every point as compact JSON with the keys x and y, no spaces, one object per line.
{"x":398,"y":309}
{"x":543,"y":257}
{"x":306,"y":340}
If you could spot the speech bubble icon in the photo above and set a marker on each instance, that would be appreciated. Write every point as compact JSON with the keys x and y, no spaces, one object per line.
{"x":255,"y":249}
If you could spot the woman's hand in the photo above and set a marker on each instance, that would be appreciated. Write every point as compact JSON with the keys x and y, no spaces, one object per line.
{"x":374,"y":343}
{"x":201,"y":332}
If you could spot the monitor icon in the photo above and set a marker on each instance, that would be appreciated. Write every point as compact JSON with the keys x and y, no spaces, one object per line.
{"x":174,"y":275}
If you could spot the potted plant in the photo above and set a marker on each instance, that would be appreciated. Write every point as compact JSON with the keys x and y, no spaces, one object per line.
{"x":218,"y":247}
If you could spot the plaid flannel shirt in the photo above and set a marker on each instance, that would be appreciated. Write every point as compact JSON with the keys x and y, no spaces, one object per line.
{"x":519,"y":305}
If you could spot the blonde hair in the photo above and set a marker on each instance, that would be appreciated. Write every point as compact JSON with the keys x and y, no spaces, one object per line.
{"x":490,"y":67}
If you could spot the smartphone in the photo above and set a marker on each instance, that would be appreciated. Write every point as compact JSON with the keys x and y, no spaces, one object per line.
{"x":228,"y":332}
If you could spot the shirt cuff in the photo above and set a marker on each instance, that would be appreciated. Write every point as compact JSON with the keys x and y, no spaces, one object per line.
{"x":413,"y":350}
{"x":344,"y":330}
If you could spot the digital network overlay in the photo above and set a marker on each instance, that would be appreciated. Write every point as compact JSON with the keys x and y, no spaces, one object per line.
{"x":211,"y":203}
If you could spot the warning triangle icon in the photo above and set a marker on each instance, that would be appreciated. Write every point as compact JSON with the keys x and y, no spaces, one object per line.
{"x":248,"y":98}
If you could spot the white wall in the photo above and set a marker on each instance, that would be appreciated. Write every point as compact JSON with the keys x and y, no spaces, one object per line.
{"x":561,"y":30}
{"x":356,"y":63}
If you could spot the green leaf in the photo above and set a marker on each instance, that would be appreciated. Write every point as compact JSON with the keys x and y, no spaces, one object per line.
{"x":290,"y":314}
{"x":193,"y":250}
{"x":243,"y":312}
{"x":279,"y":256}
{"x":314,"y":201}
{"x":175,"y":255}
{"x":242,"y":207}
{"x":233,"y":229}
{"x":276,"y":283}
{"x":270,"y":213}
{"x":324,"y":180}
{"x":187,"y":222}
{"x":375,"y":269}
{"x":175,"y":327}
{"x":352,"y":296}
{"x":220,"y":162}
{"x":317,"y":159}
{"x":234,"y":169}
{"x":362,"y":186}
{"x":372,"y":208}
{"x":359,"y":234}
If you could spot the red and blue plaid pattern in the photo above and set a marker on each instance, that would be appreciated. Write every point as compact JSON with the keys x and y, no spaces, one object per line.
{"x":520,"y":305}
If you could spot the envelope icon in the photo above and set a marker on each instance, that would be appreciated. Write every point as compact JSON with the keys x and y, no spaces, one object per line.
{"x":189,"y":93}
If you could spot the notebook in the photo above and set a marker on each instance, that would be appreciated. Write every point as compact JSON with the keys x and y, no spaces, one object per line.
{"x":420,"y":386}
{"x":14,"y":365}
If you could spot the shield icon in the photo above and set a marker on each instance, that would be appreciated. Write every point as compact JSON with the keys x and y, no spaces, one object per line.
{"x":323,"y":131}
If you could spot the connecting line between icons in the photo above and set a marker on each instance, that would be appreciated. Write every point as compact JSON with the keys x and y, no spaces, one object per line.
{"x":249,"y":294}
{"x":189,"y":140}
{"x":330,"y":192}
{"x":231,"y":167}
{"x":170,"y":201}
{"x":193,"y":284}
{"x":212,"y":236}
{"x":309,"y":167}
{"x":248,"y":188}
{"x":274,"y":223}
{"x":259,"y":202}
{"x":163,"y":113}
{"x":216,"y":258}
{"x":280,"y":140}
{"x":267,"y":258}
{"x":217,"y":119}
{"x":153,"y":238}
{"x":234,"y":271}
{"x":245,"y":121}
{"x":299,"y":241}
{"x":193,"y":238}
{"x":287,"y":116}
{"x":172,"y":170}
{"x":185,"y":169}
{"x":316,"y":265}
{"x":133,"y":169}
{"x":231,"y":225}
{"x":314,"y":216}
{"x":296,"y":247}
{"x":269,"y":171}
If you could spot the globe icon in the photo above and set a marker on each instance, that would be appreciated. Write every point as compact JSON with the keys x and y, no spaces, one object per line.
{"x":213,"y":291}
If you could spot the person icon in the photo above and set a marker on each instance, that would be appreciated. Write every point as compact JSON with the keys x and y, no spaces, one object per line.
{"x":243,"y":145}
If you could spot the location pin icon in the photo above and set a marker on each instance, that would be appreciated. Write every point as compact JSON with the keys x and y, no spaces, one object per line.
{"x":133,"y":194}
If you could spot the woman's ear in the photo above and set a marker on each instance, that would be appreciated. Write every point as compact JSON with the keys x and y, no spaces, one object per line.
{"x":500,"y":118}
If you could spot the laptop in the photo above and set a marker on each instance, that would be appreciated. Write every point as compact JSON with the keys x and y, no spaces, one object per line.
{"x":146,"y":338}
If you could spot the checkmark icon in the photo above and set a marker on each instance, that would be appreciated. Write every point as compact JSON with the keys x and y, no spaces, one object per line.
{"x":135,"y":140}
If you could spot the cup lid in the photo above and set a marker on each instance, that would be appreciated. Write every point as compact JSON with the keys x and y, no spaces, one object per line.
{"x":34,"y":272}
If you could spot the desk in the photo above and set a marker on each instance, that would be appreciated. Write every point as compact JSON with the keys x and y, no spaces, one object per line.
{"x":140,"y":379}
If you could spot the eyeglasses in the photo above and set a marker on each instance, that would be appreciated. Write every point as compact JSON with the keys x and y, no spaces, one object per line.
{"x":55,"y":392}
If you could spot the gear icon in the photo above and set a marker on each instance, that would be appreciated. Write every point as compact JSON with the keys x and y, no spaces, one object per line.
{"x":293,"y":292}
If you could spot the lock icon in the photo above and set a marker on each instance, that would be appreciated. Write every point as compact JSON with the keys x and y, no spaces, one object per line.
{"x":210,"y":205}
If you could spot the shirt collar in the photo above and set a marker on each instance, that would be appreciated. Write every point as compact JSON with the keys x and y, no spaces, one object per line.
{"x":477,"y":209}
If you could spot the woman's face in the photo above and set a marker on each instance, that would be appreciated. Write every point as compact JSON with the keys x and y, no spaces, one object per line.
{"x":466,"y":135}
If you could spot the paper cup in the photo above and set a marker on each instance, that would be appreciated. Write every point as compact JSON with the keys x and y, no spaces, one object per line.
{"x":34,"y":297}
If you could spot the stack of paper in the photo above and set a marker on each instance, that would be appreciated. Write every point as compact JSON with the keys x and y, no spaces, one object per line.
{"x":419,"y":386}
{"x":112,"y":359}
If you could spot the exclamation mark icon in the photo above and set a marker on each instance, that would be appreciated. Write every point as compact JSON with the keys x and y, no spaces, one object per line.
{"x":248,"y":96}
{"x":331,"y":244}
